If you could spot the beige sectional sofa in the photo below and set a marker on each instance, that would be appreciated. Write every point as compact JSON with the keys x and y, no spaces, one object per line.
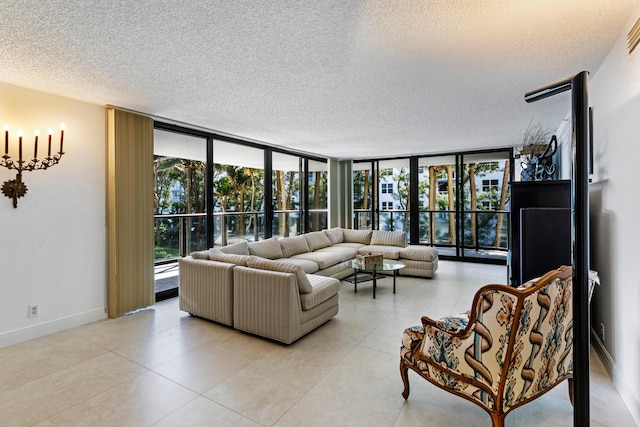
{"x":284,"y":288}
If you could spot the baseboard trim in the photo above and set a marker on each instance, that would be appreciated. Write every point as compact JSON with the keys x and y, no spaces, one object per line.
{"x":626,"y":393}
{"x":36,"y":331}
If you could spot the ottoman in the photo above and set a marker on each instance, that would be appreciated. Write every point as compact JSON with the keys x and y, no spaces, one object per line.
{"x":421,"y":261}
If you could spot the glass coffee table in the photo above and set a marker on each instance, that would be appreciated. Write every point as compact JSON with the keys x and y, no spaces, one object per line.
{"x":387,"y":265}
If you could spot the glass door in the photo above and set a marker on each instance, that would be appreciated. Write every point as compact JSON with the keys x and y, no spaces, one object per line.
{"x":438,"y":210}
{"x":485,"y":205}
{"x":363,"y":195}
{"x":238,"y":193}
{"x":285,"y":171}
{"x":317,"y":195}
{"x":393,"y":195}
{"x":464,"y":205}
{"x":179,"y":204}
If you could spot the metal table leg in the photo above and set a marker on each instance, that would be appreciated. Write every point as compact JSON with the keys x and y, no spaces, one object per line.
{"x":395,"y":273}
{"x":374,"y":282}
{"x":355,"y":280}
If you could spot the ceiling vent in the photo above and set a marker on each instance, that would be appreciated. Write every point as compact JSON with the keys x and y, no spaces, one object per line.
{"x":633,"y":37}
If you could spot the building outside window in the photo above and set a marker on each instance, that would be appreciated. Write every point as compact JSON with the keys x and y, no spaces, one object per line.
{"x":490,"y":184}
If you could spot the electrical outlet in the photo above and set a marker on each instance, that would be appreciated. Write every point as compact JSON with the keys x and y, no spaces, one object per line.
{"x":33,"y":310}
{"x":602,"y":331}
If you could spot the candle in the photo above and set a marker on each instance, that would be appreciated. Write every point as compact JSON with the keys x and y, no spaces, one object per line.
{"x":20,"y":135}
{"x":35,"y":146}
{"x":49,"y":151}
{"x":61,"y":135}
{"x":6,"y":139}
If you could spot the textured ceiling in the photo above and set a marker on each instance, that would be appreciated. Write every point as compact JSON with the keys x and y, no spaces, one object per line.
{"x":340,"y":78}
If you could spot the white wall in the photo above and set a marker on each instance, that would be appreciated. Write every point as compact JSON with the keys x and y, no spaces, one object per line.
{"x":53,"y":246}
{"x":614,"y":95}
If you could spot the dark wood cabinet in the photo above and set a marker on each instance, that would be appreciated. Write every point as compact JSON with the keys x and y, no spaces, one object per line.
{"x":540,"y":228}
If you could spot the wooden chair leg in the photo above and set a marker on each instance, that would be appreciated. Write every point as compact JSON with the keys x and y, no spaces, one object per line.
{"x":571,"y":390}
{"x":497,"y":419}
{"x":404,"y":368}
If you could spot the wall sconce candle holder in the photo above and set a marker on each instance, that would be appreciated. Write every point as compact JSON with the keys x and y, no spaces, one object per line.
{"x":15,"y":188}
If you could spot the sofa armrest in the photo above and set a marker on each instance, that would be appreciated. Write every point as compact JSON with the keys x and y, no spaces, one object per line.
{"x":206,"y":289}
{"x":267,"y":303}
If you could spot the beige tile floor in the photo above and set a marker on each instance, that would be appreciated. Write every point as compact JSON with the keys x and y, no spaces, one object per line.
{"x":161,"y":367}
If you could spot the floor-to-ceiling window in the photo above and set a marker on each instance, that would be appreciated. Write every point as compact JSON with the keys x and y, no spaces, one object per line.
{"x":464,"y":204}
{"x":437,"y":198}
{"x":213,"y":190}
{"x":179,"y":203}
{"x":317,"y":195}
{"x":238,"y":193}
{"x":286,"y":184}
{"x":364,"y":194}
{"x":393,"y":202}
{"x":458,"y":203}
{"x":485,"y":211}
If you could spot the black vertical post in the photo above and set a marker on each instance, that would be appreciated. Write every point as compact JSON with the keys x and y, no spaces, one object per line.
{"x":304,"y":196}
{"x":414,"y":202}
{"x":580,"y":218}
{"x":208,"y":197}
{"x":268,"y":195}
{"x":579,"y":236}
{"x":459,"y":208}
{"x":374,"y":194}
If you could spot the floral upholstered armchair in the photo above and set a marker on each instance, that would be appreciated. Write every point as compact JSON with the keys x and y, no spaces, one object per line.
{"x":512,"y":346}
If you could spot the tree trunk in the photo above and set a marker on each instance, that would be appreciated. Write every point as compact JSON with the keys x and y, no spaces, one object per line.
{"x":503,"y":202}
{"x":452,"y":206}
{"x":282,"y":200}
{"x":156,"y":199}
{"x":240,"y":208}
{"x":223,"y":223}
{"x":474,"y":203}
{"x":241,"y":187}
{"x":360,"y":220}
{"x":365,"y":200}
{"x":252,"y":207}
{"x":189,"y":223}
{"x":316,"y":204}
{"x":189,"y":172}
{"x":407,"y":209}
{"x":289,"y":194}
{"x":432,"y":203}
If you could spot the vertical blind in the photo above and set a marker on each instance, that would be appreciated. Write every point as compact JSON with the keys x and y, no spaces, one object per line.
{"x":129,"y":212}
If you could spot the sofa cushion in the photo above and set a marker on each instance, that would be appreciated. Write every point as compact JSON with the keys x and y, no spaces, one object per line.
{"x":293,"y":245}
{"x":200,"y":255}
{"x":323,"y":289}
{"x":240,"y":248}
{"x":355,"y":246}
{"x":389,"y":238}
{"x":387,"y":252}
{"x":346,"y":253}
{"x":335,"y":235}
{"x":269,"y":248}
{"x":317,"y":240}
{"x":419,"y":253}
{"x":304,"y":286}
{"x":357,"y":236}
{"x":322,"y":258}
{"x":217,"y":255}
{"x":308,"y":267}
